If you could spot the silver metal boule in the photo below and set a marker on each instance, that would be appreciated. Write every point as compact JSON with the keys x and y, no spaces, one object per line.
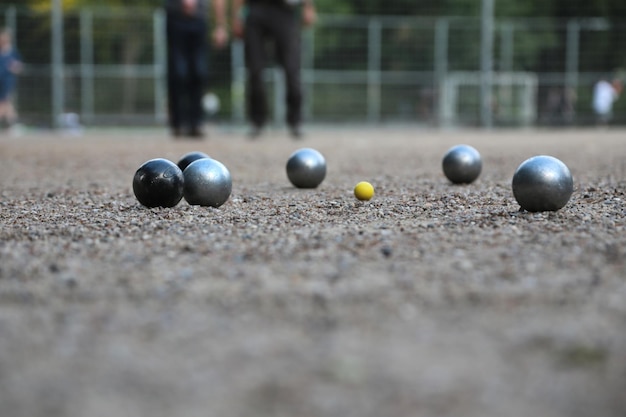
{"x":188,"y":158}
{"x":306,"y":168}
{"x":542,"y":183}
{"x":462,"y":164}
{"x":207,"y":183}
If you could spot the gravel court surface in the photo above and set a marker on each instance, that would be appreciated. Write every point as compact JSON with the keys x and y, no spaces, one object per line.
{"x":429,"y":300}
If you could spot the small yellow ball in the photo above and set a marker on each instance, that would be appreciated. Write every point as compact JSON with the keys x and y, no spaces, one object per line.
{"x":364,"y":191}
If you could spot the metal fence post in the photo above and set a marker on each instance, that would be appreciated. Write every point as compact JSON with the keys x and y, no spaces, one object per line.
{"x":58,"y":81}
{"x":238,"y":83}
{"x":10,"y":21}
{"x":504,"y":93}
{"x":572,"y":57}
{"x":442,"y":29}
{"x":159,"y":65}
{"x":374,"y":40}
{"x":486,"y":63}
{"x":278,"y":80}
{"x":506,"y":47}
{"x":86,"y":65}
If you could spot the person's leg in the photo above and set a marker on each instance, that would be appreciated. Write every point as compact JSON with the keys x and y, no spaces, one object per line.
{"x":287,"y":35}
{"x":4,"y":100}
{"x":10,"y":113}
{"x":176,"y":75}
{"x":3,"y":113}
{"x":254,"y":41}
{"x":197,"y":78}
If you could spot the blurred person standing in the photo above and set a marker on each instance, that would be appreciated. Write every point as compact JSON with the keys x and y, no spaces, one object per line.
{"x":10,"y":66}
{"x":187,"y":60}
{"x":605,"y":93}
{"x":278,"y":21}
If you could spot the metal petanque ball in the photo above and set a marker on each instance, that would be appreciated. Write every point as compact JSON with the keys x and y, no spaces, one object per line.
{"x":207,"y":183}
{"x":188,"y":158}
{"x":306,"y":168}
{"x":462,"y":164}
{"x":158,"y":183}
{"x":542,"y":183}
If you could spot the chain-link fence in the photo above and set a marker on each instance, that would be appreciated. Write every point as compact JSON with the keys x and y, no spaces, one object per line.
{"x":109,"y":69}
{"x":109,"y":66}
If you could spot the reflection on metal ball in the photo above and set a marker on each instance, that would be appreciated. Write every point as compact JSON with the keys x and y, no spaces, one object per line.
{"x":542,"y":183}
{"x":306,"y":168}
{"x":207,"y":183}
{"x":462,"y":164}
{"x":158,"y":183}
{"x":188,"y":158}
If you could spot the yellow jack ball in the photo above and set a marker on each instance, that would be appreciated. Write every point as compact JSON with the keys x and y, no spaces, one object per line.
{"x":364,"y":191}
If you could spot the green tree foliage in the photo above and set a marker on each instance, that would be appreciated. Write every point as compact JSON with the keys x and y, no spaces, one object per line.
{"x":615,"y":9}
{"x":119,"y":36}
{"x":69,"y":5}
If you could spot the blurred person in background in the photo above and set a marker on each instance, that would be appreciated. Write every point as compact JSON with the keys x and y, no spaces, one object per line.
{"x":605,"y":93}
{"x":10,"y":66}
{"x":187,"y":60}
{"x":278,"y":21}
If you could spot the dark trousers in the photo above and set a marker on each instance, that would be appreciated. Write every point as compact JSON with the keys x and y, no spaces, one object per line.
{"x":281,"y":26}
{"x":187,"y":71}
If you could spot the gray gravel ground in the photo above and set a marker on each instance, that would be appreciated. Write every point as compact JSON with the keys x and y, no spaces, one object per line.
{"x":429,"y":300}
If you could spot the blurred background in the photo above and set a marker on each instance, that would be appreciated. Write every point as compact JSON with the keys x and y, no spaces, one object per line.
{"x":434,"y":63}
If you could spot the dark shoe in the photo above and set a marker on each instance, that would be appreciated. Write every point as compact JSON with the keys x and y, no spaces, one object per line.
{"x":255,"y":132}
{"x":177,"y":133}
{"x":295,"y":132}
{"x":196,"y":133}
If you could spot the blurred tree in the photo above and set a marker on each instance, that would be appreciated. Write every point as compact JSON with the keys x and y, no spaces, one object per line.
{"x":124,"y":43}
{"x":334,"y":6}
{"x":71,"y":5}
{"x":45,"y":5}
{"x":504,"y":8}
